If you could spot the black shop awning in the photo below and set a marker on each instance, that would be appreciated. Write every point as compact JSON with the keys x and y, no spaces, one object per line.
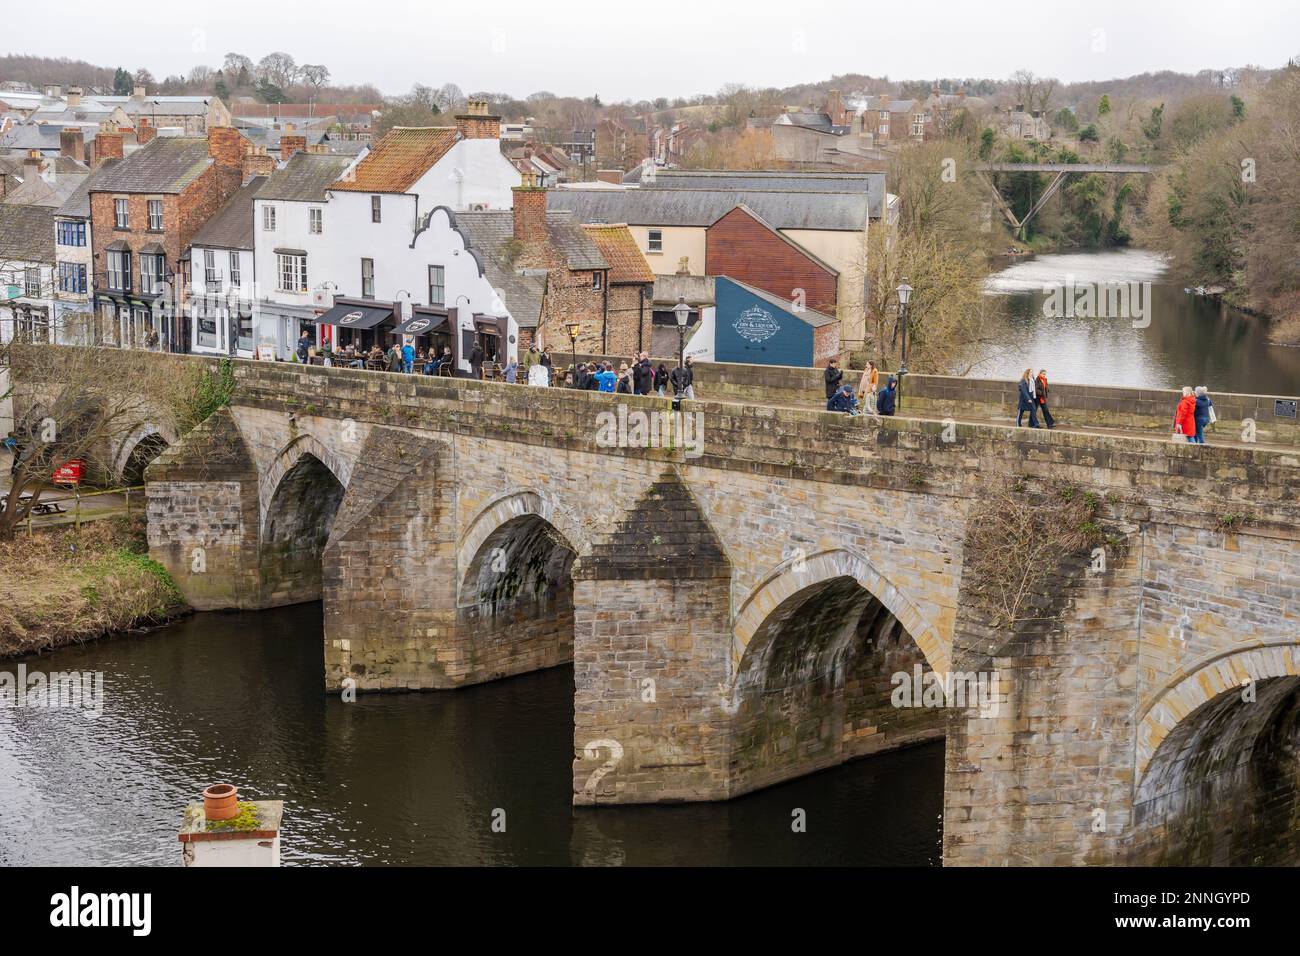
{"x":355,"y":316}
{"x":422,"y":325}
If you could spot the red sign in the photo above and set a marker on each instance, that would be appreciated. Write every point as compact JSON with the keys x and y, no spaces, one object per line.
{"x":69,"y":473}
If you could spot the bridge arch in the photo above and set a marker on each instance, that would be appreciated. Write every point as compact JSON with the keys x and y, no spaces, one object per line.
{"x":300,"y":493}
{"x":1218,"y":763}
{"x":818,"y":647}
{"x":134,"y":453}
{"x":288,"y":457}
{"x":794,"y":575}
{"x":507,"y":508}
{"x":515,"y":594}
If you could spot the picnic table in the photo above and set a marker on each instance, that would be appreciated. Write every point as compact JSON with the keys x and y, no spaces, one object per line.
{"x":42,"y":507}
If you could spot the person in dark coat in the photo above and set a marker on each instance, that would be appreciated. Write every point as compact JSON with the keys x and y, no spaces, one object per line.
{"x":476,"y":360}
{"x":842,"y":401}
{"x":304,"y":343}
{"x":690,"y":378}
{"x":1027,"y":403}
{"x":394,"y":358}
{"x":887,"y":400}
{"x":678,"y":377}
{"x":833,"y":377}
{"x":642,"y":374}
{"x":661,"y":380}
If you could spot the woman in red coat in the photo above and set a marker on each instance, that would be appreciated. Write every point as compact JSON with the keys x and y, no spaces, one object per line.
{"x":1185,"y":416}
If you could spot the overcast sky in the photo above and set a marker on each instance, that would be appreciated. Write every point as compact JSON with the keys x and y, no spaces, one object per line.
{"x":669,"y":48}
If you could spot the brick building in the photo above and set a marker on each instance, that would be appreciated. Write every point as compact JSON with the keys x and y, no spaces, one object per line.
{"x":744,"y":246}
{"x":550,"y":271}
{"x":144,"y":213}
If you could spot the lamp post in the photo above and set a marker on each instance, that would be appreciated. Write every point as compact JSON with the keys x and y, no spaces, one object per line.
{"x":681,"y":312}
{"x":574,"y":328}
{"x":904,"y":294}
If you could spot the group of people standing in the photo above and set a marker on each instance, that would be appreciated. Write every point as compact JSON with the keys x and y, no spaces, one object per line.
{"x":876,"y":401}
{"x":1033,"y":398}
{"x":642,"y":377}
{"x":1194,"y":412}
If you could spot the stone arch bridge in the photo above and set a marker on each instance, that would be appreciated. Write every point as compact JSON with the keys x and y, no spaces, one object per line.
{"x":737,"y":618}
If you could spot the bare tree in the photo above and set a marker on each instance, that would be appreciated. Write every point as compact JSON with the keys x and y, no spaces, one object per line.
{"x":278,"y":68}
{"x":315,"y":74}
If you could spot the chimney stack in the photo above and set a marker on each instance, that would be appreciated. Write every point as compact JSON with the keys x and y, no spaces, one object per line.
{"x":138,"y":92}
{"x":32,"y":164}
{"x":257,"y":162}
{"x":143,"y":131}
{"x":72,"y":143}
{"x":74,"y":97}
{"x":291,"y":144}
{"x":226,"y":147}
{"x":835,"y":107}
{"x":614,"y":176}
{"x":529,"y":210}
{"x":108,"y":143}
{"x":477,"y":123}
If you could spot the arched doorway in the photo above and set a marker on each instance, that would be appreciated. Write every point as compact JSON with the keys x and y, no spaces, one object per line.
{"x":1222,"y":788}
{"x":295,"y":529}
{"x":816,"y":682}
{"x":516,"y":599}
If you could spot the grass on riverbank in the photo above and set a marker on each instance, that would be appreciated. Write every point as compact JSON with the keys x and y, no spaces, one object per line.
{"x":59,"y":587}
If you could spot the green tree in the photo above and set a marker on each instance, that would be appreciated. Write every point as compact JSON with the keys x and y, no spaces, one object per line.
{"x":987,"y":138}
{"x":1151,"y":128}
{"x":122,"y":82}
{"x":268,"y":92}
{"x":1089,"y":134}
{"x":1066,"y":120}
{"x":1104,"y":106}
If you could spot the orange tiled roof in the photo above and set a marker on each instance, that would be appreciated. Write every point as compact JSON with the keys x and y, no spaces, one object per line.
{"x":617,"y":244}
{"x":401,"y":157}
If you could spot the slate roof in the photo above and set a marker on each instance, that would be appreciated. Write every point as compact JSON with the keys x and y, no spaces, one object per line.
{"x":270,"y":138}
{"x":619,"y":248}
{"x":35,"y":191}
{"x":871,"y":183}
{"x":166,"y":105}
{"x":77,"y":206}
{"x":486,"y":232}
{"x":304,"y":178}
{"x":26,"y":233}
{"x":41,"y":136}
{"x":782,"y":209}
{"x":399,"y":159}
{"x":819,"y":121}
{"x":231,"y":227}
{"x":166,"y":165}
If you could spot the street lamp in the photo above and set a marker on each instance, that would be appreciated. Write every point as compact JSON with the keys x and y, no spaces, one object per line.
{"x":681,"y":312}
{"x":904,"y":294}
{"x":574,"y":328}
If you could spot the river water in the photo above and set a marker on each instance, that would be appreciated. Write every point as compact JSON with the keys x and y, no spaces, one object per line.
{"x":390,"y":779}
{"x":1190,"y":340}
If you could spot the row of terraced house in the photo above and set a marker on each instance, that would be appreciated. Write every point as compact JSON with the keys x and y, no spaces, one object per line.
{"x":432,"y":236}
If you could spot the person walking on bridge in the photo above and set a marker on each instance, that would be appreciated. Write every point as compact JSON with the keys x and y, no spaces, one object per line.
{"x":1040,"y":391}
{"x":867,"y":387}
{"x":1027,"y":400}
{"x":1185,"y":416}
{"x":887,"y":400}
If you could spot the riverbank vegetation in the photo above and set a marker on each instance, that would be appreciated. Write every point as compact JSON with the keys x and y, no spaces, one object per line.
{"x":1229,"y":210}
{"x":942,"y":250}
{"x":63,"y":586}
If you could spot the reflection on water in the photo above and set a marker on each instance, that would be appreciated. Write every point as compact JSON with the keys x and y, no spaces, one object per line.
{"x":1191,"y":340}
{"x":410,"y":779}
